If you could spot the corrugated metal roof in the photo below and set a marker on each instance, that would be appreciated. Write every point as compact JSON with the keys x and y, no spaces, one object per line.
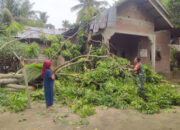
{"x":35,"y":32}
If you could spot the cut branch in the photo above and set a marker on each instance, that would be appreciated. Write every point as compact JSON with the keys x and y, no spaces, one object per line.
{"x":83,"y":56}
{"x":61,"y":68}
{"x":70,"y":75}
{"x":59,"y":51}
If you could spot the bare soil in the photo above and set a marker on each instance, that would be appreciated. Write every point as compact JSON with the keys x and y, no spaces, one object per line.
{"x":38,"y":118}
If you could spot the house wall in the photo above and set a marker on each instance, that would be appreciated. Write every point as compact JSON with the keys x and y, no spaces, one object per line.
{"x":162,"y":42}
{"x":133,"y":18}
{"x":145,"y":44}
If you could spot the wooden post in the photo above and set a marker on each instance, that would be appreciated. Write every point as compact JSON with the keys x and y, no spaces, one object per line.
{"x":26,"y":82}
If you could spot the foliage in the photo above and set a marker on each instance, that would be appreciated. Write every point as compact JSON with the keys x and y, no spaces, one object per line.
{"x":50,"y":26}
{"x":13,"y":29}
{"x":33,"y":50}
{"x":151,"y":76}
{"x":7,"y":52}
{"x":68,"y":49}
{"x":112,"y":84}
{"x":81,"y":37}
{"x":43,"y":17}
{"x":174,"y":9}
{"x":1,"y":18}
{"x":21,"y":49}
{"x":14,"y":102}
{"x":88,"y":8}
{"x":33,"y":71}
{"x":6,"y":17}
{"x":172,"y":59}
{"x":18,"y":8}
{"x":33,"y":23}
{"x":66,"y":24}
{"x":22,"y":13}
{"x":37,"y":95}
{"x":17,"y":101}
{"x":51,"y":52}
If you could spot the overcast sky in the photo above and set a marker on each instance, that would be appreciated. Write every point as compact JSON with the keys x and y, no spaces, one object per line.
{"x":58,"y":10}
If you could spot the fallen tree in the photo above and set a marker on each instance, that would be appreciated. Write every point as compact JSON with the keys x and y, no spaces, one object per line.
{"x":6,"y":76}
{"x":15,"y":86}
{"x":9,"y":81}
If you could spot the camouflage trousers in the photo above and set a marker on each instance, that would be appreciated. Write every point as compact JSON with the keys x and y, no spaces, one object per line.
{"x":141,"y":80}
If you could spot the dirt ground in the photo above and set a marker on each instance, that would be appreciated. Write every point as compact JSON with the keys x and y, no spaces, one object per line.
{"x":38,"y":118}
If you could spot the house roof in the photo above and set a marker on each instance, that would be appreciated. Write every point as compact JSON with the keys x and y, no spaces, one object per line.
{"x":35,"y":32}
{"x":153,"y":7}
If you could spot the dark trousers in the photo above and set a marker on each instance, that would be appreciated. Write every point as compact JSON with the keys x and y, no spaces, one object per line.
{"x":141,"y":86}
{"x":48,"y":92}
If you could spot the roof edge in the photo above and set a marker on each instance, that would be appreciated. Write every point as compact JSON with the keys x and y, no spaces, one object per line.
{"x":160,"y":12}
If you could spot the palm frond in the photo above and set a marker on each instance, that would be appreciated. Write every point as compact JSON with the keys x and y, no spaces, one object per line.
{"x":101,"y":3}
{"x":33,"y":71}
{"x":77,"y":7}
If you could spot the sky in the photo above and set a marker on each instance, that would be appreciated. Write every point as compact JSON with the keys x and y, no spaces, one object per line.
{"x":58,"y":10}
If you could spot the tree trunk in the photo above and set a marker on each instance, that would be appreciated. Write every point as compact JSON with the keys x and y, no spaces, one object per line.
{"x":15,"y":86}
{"x":7,"y":76}
{"x":9,"y":81}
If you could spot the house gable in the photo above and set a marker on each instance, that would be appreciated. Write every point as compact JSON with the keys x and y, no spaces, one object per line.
{"x":155,"y":9}
{"x":134,"y":18}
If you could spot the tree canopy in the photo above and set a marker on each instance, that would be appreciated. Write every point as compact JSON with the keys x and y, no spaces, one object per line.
{"x":173,"y":7}
{"x":86,"y":7}
{"x":23,"y":13}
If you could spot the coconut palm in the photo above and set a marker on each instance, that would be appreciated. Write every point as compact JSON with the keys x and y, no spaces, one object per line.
{"x":43,"y":17}
{"x":85,"y":6}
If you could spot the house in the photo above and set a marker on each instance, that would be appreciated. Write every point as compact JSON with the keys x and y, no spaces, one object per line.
{"x":136,"y":28}
{"x":34,"y":33}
